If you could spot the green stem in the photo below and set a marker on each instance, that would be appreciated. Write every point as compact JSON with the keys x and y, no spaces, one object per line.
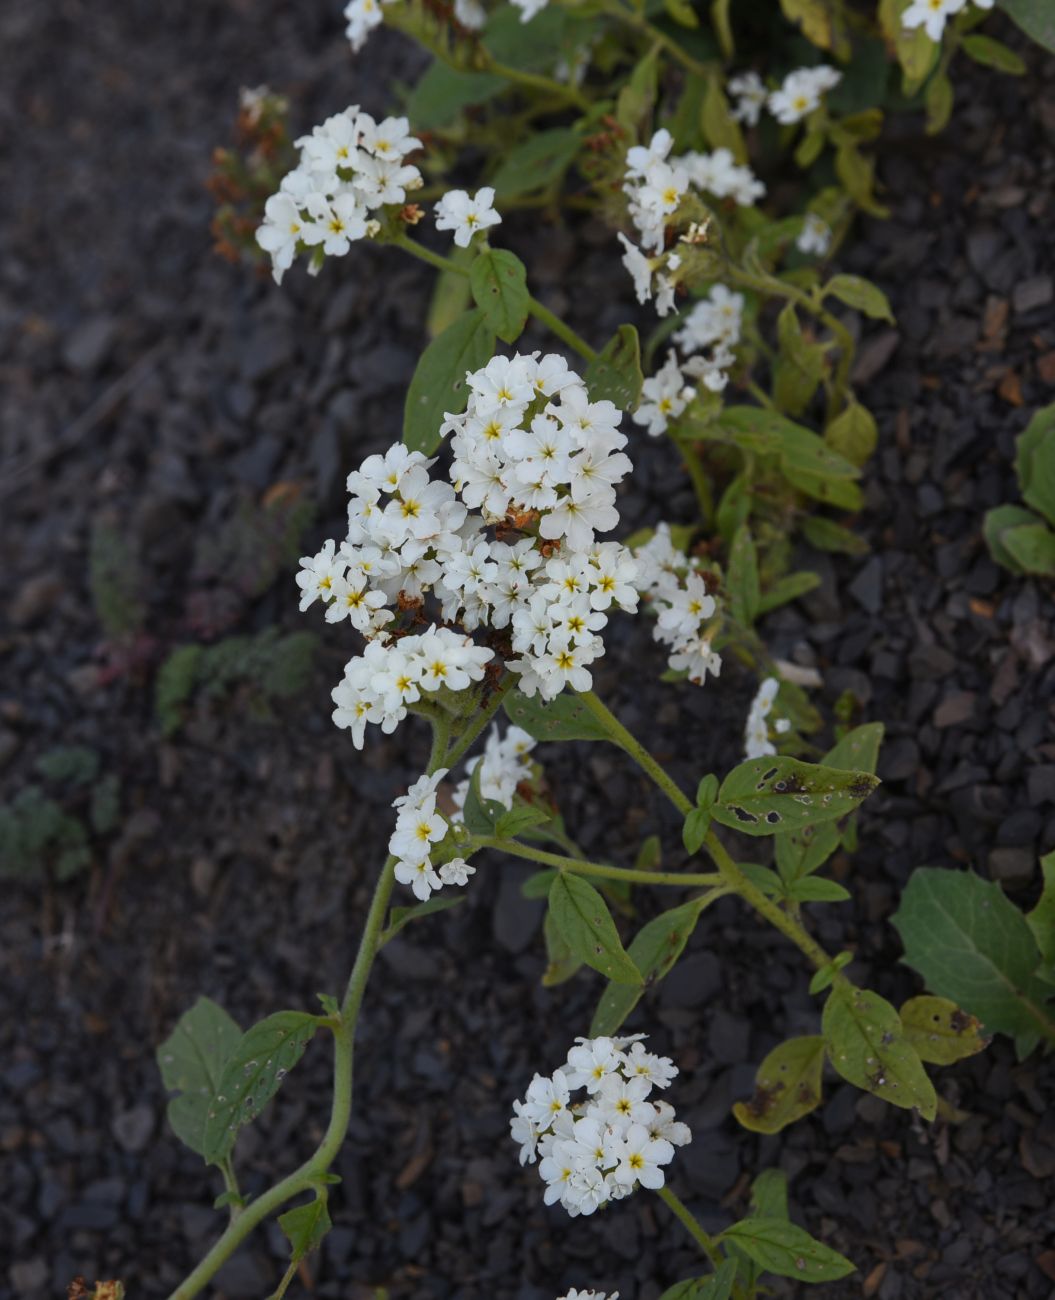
{"x":579,"y":867}
{"x":230,"y":1182}
{"x":700,"y":483}
{"x":543,"y":85}
{"x":681,"y":1213}
{"x":641,"y":24}
{"x":731,"y":873}
{"x":308,"y":1174}
{"x":480,"y":720}
{"x":541,"y":313}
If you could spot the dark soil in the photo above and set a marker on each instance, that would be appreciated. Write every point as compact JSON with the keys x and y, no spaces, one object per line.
{"x":150,"y":385}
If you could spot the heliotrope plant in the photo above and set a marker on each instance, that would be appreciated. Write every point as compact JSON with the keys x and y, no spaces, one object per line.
{"x":482,"y":564}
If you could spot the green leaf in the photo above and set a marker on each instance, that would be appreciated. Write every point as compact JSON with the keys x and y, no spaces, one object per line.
{"x":253,"y":1074}
{"x":822,"y":23}
{"x":826,"y":535}
{"x":535,"y":164}
{"x":823,"y":978}
{"x":191,"y":1061}
{"x":538,"y":885}
{"x":853,"y":434}
{"x":939,"y":1031}
{"x":1033,"y":548}
{"x":803,"y":451}
{"x":694,"y":831}
{"x":442,"y":93}
{"x":481,"y":815}
{"x":305,"y":1226}
{"x":799,"y":366}
{"x":742,"y":577}
{"x":993,"y":54}
{"x":1036,"y":19}
{"x":718,"y":1286}
{"x":971,"y":944}
{"x":499,"y":285}
{"x":769,"y":1194}
{"x":722,"y":27}
{"x":815,"y":889}
{"x":1042,"y":918}
{"x":654,"y":950}
{"x":438,"y":385}
{"x":399,"y":917}
{"x":867,"y":1046}
{"x":916,"y":52}
{"x":766,"y":794}
{"x":451,"y":295}
{"x":857,"y":174}
{"x":561,"y":962}
{"x":1035,"y":462}
{"x":615,"y":373}
{"x":582,"y":917}
{"x":787,"y":1086}
{"x":858,"y":751}
{"x":649,"y":855}
{"x":528,"y":46}
{"x":862,"y":295}
{"x":788,"y":588}
{"x":938,"y":99}
{"x":802,"y":852}
{"x":565,"y":718}
{"x":521,"y":817}
{"x":808,"y":149}
{"x":682,"y":12}
{"x":734,"y":507}
{"x":787,"y":1250}
{"x":637,"y":98}
{"x":997,"y":523}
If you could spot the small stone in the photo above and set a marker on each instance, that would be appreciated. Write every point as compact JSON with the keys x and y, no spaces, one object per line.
{"x":898,"y":759}
{"x":1040,"y":783}
{"x":1035,"y":292}
{"x":867,"y":586}
{"x":89,"y":345}
{"x":35,"y":597}
{"x":133,"y":1129}
{"x":954,"y":709}
{"x":1012,"y":866}
{"x":692,"y":982}
{"x":28,"y":1275}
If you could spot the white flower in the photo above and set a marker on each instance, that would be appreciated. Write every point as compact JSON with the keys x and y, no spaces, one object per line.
{"x":641,"y":1158}
{"x":470,"y":13}
{"x":456,"y":872}
{"x":800,"y":93}
{"x":363,"y":16}
{"x":815,"y":235}
{"x":282,"y":230}
{"x":529,"y":8}
{"x":932,"y":15}
{"x":757,"y":743}
{"x":663,"y":397}
{"x":588,"y":1295}
{"x":749,"y":91}
{"x":466,"y":216}
{"x":419,"y":876}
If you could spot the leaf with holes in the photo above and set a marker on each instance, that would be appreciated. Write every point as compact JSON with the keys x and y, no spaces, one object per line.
{"x":654,"y":950}
{"x":866,"y":1043}
{"x":253,"y":1074}
{"x":939,"y":1031}
{"x":565,"y":718}
{"x":191,"y":1061}
{"x":766,"y":795}
{"x":499,"y":285}
{"x":583,"y":919}
{"x":789,"y":1251}
{"x":787,"y":1086}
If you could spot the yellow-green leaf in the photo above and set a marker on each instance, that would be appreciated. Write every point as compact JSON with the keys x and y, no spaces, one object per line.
{"x":866,"y":1043}
{"x":939,"y":1031}
{"x":787,"y":1086}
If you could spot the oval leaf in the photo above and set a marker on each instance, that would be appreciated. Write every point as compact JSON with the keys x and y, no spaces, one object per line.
{"x":862,"y":295}
{"x":615,"y":375}
{"x":305,"y":1226}
{"x":565,"y":718}
{"x":191,"y":1061}
{"x":253,"y":1074}
{"x":766,"y":795}
{"x":438,"y":385}
{"x":583,"y":919}
{"x":787,"y":1086}
{"x":939,"y":1031}
{"x":499,"y":284}
{"x":787,"y":1250}
{"x":868,"y":1047}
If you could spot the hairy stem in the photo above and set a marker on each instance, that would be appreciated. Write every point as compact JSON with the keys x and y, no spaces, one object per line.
{"x":578,"y":867}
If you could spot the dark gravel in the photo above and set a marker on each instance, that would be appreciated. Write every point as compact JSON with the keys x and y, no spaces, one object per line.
{"x":246,"y":851}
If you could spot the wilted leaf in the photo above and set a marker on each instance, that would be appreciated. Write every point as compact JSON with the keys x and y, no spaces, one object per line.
{"x":787,"y":1086}
{"x":765,"y":795}
{"x":939,"y":1031}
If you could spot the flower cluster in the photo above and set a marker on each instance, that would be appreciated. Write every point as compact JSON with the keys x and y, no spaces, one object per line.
{"x":797,"y":96}
{"x":932,"y":15}
{"x":503,"y":765}
{"x":364,"y":15}
{"x":588,"y":1295}
{"x":815,"y":235}
{"x":419,"y":829}
{"x":466,"y":216}
{"x":600,"y":1149}
{"x":535,"y":463}
{"x":757,"y":743}
{"x":655,"y":183}
{"x":349,"y":168}
{"x":667,"y":579}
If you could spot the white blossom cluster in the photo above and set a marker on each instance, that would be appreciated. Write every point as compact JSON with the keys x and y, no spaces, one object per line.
{"x":419,"y":827}
{"x":505,"y":543}
{"x":364,"y":15}
{"x":349,"y":167}
{"x":932,"y":15}
{"x":655,"y":183}
{"x":757,"y":743}
{"x":503,"y":765}
{"x":588,"y":1295}
{"x":708,"y":336}
{"x":797,"y":96}
{"x":678,"y":594}
{"x":602,"y":1148}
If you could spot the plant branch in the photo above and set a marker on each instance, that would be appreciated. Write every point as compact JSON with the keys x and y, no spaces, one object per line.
{"x":578,"y":867}
{"x":685,"y":1218}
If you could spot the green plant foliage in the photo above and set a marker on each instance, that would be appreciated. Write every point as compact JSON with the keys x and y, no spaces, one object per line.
{"x":615,"y":374}
{"x":191,"y":1061}
{"x":116,"y":582}
{"x":37,"y":835}
{"x":565,"y":718}
{"x":582,"y":917}
{"x":787,"y":1086}
{"x":1035,"y":463}
{"x":766,"y":795}
{"x":939,"y":1031}
{"x":438,"y":385}
{"x":538,"y":163}
{"x":305,"y":1226}
{"x":789,"y":1251}
{"x":867,"y":1045}
{"x":69,"y":764}
{"x":499,"y":286}
{"x":561,"y":961}
{"x":1036,"y":19}
{"x":972,"y":945}
{"x":399,"y":917}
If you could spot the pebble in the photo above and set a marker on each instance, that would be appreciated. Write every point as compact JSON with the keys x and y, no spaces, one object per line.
{"x":133,"y":1128}
{"x":90,"y":344}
